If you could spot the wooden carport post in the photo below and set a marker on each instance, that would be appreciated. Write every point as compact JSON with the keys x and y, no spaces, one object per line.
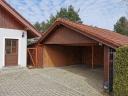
{"x":106,"y":67}
{"x":92,"y":57}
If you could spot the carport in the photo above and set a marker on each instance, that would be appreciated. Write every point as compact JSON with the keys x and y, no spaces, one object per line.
{"x":64,"y":46}
{"x":68,"y":43}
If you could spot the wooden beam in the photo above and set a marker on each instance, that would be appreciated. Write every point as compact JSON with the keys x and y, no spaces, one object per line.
{"x":106,"y":64}
{"x":92,"y":57}
{"x":36,"y":57}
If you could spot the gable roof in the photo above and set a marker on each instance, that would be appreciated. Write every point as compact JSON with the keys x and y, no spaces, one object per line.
{"x":13,"y":12}
{"x":107,"y":37}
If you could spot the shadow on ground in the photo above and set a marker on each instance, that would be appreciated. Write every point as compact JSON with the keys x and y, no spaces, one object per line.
{"x":94,"y":77}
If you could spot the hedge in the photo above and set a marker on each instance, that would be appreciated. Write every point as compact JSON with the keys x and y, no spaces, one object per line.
{"x":120,"y":83}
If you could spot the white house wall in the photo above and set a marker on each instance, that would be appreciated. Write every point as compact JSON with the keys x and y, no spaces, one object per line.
{"x":22,"y":45}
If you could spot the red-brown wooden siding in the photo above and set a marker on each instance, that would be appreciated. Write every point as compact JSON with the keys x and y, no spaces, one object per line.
{"x":106,"y":63}
{"x":40,"y":56}
{"x":8,"y":21}
{"x":58,"y":55}
{"x":64,"y":35}
{"x":37,"y":56}
{"x":10,"y":18}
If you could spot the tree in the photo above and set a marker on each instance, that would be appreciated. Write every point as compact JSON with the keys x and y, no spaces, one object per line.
{"x":38,"y":26}
{"x":66,"y":13}
{"x":122,"y":26}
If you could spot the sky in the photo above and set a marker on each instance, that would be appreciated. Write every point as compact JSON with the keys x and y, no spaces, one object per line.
{"x":100,"y":13}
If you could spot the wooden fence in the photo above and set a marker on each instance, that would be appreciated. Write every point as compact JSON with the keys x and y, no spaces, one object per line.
{"x":35,"y":56}
{"x":32,"y":57}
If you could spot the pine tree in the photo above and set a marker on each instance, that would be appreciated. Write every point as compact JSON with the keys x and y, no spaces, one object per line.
{"x":122,"y":26}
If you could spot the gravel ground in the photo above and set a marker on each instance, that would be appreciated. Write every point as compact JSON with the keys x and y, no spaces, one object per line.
{"x":62,"y":81}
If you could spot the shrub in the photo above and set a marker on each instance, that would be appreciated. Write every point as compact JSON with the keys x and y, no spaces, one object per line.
{"x":120,"y":83}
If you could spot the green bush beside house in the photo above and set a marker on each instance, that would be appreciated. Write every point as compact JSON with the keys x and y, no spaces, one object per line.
{"x":120,"y":84}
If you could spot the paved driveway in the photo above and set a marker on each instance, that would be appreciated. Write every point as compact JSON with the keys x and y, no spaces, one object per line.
{"x":66,"y":81}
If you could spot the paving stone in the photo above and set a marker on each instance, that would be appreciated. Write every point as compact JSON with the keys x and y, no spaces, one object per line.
{"x":46,"y":82}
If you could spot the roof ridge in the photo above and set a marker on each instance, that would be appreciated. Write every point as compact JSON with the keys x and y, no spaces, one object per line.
{"x":63,"y":19}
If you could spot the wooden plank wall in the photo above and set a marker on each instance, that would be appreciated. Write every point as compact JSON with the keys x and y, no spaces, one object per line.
{"x":39,"y":56}
{"x":57,"y":55}
{"x":98,"y":58}
{"x":63,"y":35}
{"x":8,"y":21}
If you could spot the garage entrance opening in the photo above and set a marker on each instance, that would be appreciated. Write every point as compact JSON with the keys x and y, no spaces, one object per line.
{"x":64,"y":55}
{"x":85,"y":61}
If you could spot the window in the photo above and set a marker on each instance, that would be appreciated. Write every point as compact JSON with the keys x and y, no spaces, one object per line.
{"x":11,"y":46}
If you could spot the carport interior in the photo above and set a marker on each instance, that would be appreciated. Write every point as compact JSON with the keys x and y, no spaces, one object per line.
{"x":64,"y":55}
{"x":83,"y":61}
